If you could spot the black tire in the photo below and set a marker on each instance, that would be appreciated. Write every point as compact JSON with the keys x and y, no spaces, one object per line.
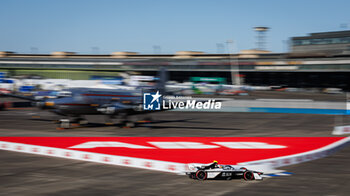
{"x":201,"y":175}
{"x":248,"y":175}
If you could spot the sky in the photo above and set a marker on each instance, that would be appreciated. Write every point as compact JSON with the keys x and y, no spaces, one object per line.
{"x":162,"y":26}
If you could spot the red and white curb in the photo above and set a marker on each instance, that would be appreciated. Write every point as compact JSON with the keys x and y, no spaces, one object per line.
{"x":301,"y":157}
{"x":167,"y":166}
{"x":95,"y":157}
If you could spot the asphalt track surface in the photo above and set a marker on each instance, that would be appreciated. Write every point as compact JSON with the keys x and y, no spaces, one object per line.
{"x":316,"y":96}
{"x":27,"y":174}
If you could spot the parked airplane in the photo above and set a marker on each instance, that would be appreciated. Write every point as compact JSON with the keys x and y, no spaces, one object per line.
{"x":75,"y":103}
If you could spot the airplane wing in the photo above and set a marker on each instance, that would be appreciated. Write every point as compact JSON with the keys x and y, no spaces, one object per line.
{"x":117,"y":107}
{"x":18,"y":96}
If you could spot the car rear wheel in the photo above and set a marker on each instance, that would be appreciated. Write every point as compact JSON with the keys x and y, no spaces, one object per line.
{"x":248,"y":175}
{"x":201,"y":175}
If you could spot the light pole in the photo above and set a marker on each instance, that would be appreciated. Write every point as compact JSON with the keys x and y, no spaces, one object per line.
{"x":235,"y":77}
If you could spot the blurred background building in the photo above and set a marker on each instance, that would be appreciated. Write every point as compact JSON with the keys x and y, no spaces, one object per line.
{"x":328,"y":43}
{"x":320,"y":60}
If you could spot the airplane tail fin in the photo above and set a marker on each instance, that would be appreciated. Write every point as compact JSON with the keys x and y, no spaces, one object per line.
{"x":162,"y":78}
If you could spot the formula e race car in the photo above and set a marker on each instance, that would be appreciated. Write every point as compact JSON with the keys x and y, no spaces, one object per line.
{"x":223,"y":172}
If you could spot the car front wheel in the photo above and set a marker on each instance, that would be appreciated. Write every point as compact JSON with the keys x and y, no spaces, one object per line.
{"x":248,"y":175}
{"x":201,"y":175}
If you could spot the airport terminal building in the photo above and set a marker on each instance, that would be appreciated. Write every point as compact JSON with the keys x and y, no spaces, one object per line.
{"x":329,"y":43}
{"x":319,"y":60}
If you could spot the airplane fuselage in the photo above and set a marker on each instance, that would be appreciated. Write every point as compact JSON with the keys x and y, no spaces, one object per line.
{"x":88,"y":101}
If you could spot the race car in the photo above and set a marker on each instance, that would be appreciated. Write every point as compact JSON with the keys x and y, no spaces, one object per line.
{"x":216,"y":171}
